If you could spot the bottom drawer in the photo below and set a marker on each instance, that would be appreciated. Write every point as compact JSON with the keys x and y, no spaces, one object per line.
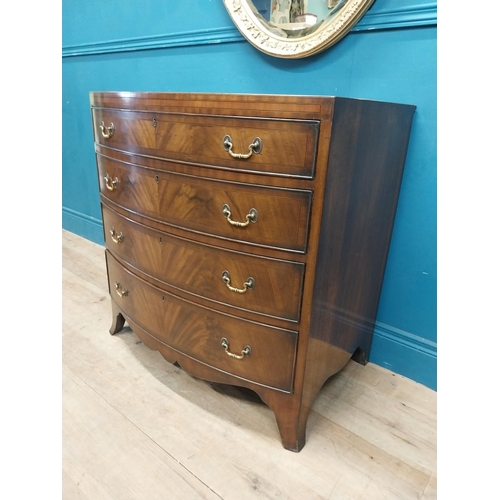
{"x":261,"y":354}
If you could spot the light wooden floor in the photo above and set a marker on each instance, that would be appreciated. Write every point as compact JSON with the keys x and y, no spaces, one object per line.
{"x":136,"y":427}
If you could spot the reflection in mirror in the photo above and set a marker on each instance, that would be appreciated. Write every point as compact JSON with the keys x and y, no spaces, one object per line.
{"x":295,"y":28}
{"x":294,"y":18}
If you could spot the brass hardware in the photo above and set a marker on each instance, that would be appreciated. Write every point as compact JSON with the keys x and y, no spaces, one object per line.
{"x":154,"y":122}
{"x":111,"y":185}
{"x":252,"y":216}
{"x":248,"y":285}
{"x":107,"y":132}
{"x":114,"y":237}
{"x":255,"y":147}
{"x":247,"y":350}
{"x":123,"y":293}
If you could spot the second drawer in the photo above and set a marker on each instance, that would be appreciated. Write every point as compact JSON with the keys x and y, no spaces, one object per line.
{"x":259,"y":215}
{"x":258,"y":284}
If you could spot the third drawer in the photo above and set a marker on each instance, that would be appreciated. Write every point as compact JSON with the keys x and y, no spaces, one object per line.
{"x":258,"y":284}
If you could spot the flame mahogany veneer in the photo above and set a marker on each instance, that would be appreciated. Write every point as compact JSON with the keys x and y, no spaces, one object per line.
{"x":309,"y":265}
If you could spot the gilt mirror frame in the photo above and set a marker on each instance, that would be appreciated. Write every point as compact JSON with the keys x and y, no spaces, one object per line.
{"x":260,"y":33}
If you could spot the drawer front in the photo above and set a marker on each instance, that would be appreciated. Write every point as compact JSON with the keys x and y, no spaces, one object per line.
{"x":198,"y":332}
{"x":274,"y":287}
{"x":288,"y":147}
{"x":282,"y":219}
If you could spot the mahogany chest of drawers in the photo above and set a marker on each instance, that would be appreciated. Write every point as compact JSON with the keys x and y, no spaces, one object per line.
{"x":247,"y":235}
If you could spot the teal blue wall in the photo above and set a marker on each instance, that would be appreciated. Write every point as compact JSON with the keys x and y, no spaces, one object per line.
{"x":146,"y":45}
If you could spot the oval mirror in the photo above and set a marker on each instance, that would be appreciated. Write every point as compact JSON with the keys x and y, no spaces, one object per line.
{"x":295,"y":28}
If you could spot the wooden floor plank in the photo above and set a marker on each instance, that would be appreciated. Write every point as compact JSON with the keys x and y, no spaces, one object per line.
{"x":70,"y":489}
{"x":363,"y":410}
{"x":130,"y":465}
{"x":430,"y":492}
{"x":131,"y":420}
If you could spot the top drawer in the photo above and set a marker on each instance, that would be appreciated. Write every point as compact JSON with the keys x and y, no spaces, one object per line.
{"x":287,"y":147}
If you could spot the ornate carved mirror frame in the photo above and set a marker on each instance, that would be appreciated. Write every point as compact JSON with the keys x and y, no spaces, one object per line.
{"x":272,"y":40}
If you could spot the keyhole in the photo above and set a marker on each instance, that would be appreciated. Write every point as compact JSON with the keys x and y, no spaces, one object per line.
{"x":161,"y":240}
{"x":157,"y":179}
{"x":154,"y":122}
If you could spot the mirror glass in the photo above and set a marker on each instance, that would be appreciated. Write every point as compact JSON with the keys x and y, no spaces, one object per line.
{"x":294,"y":18}
{"x":295,"y":28}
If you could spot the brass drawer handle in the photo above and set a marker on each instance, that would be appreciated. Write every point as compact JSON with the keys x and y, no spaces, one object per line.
{"x":111,"y":184}
{"x":247,"y":350}
{"x":107,"y":132}
{"x":115,"y":238}
{"x":123,"y":292}
{"x":255,"y":147}
{"x":252,"y":216}
{"x":249,"y":283}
